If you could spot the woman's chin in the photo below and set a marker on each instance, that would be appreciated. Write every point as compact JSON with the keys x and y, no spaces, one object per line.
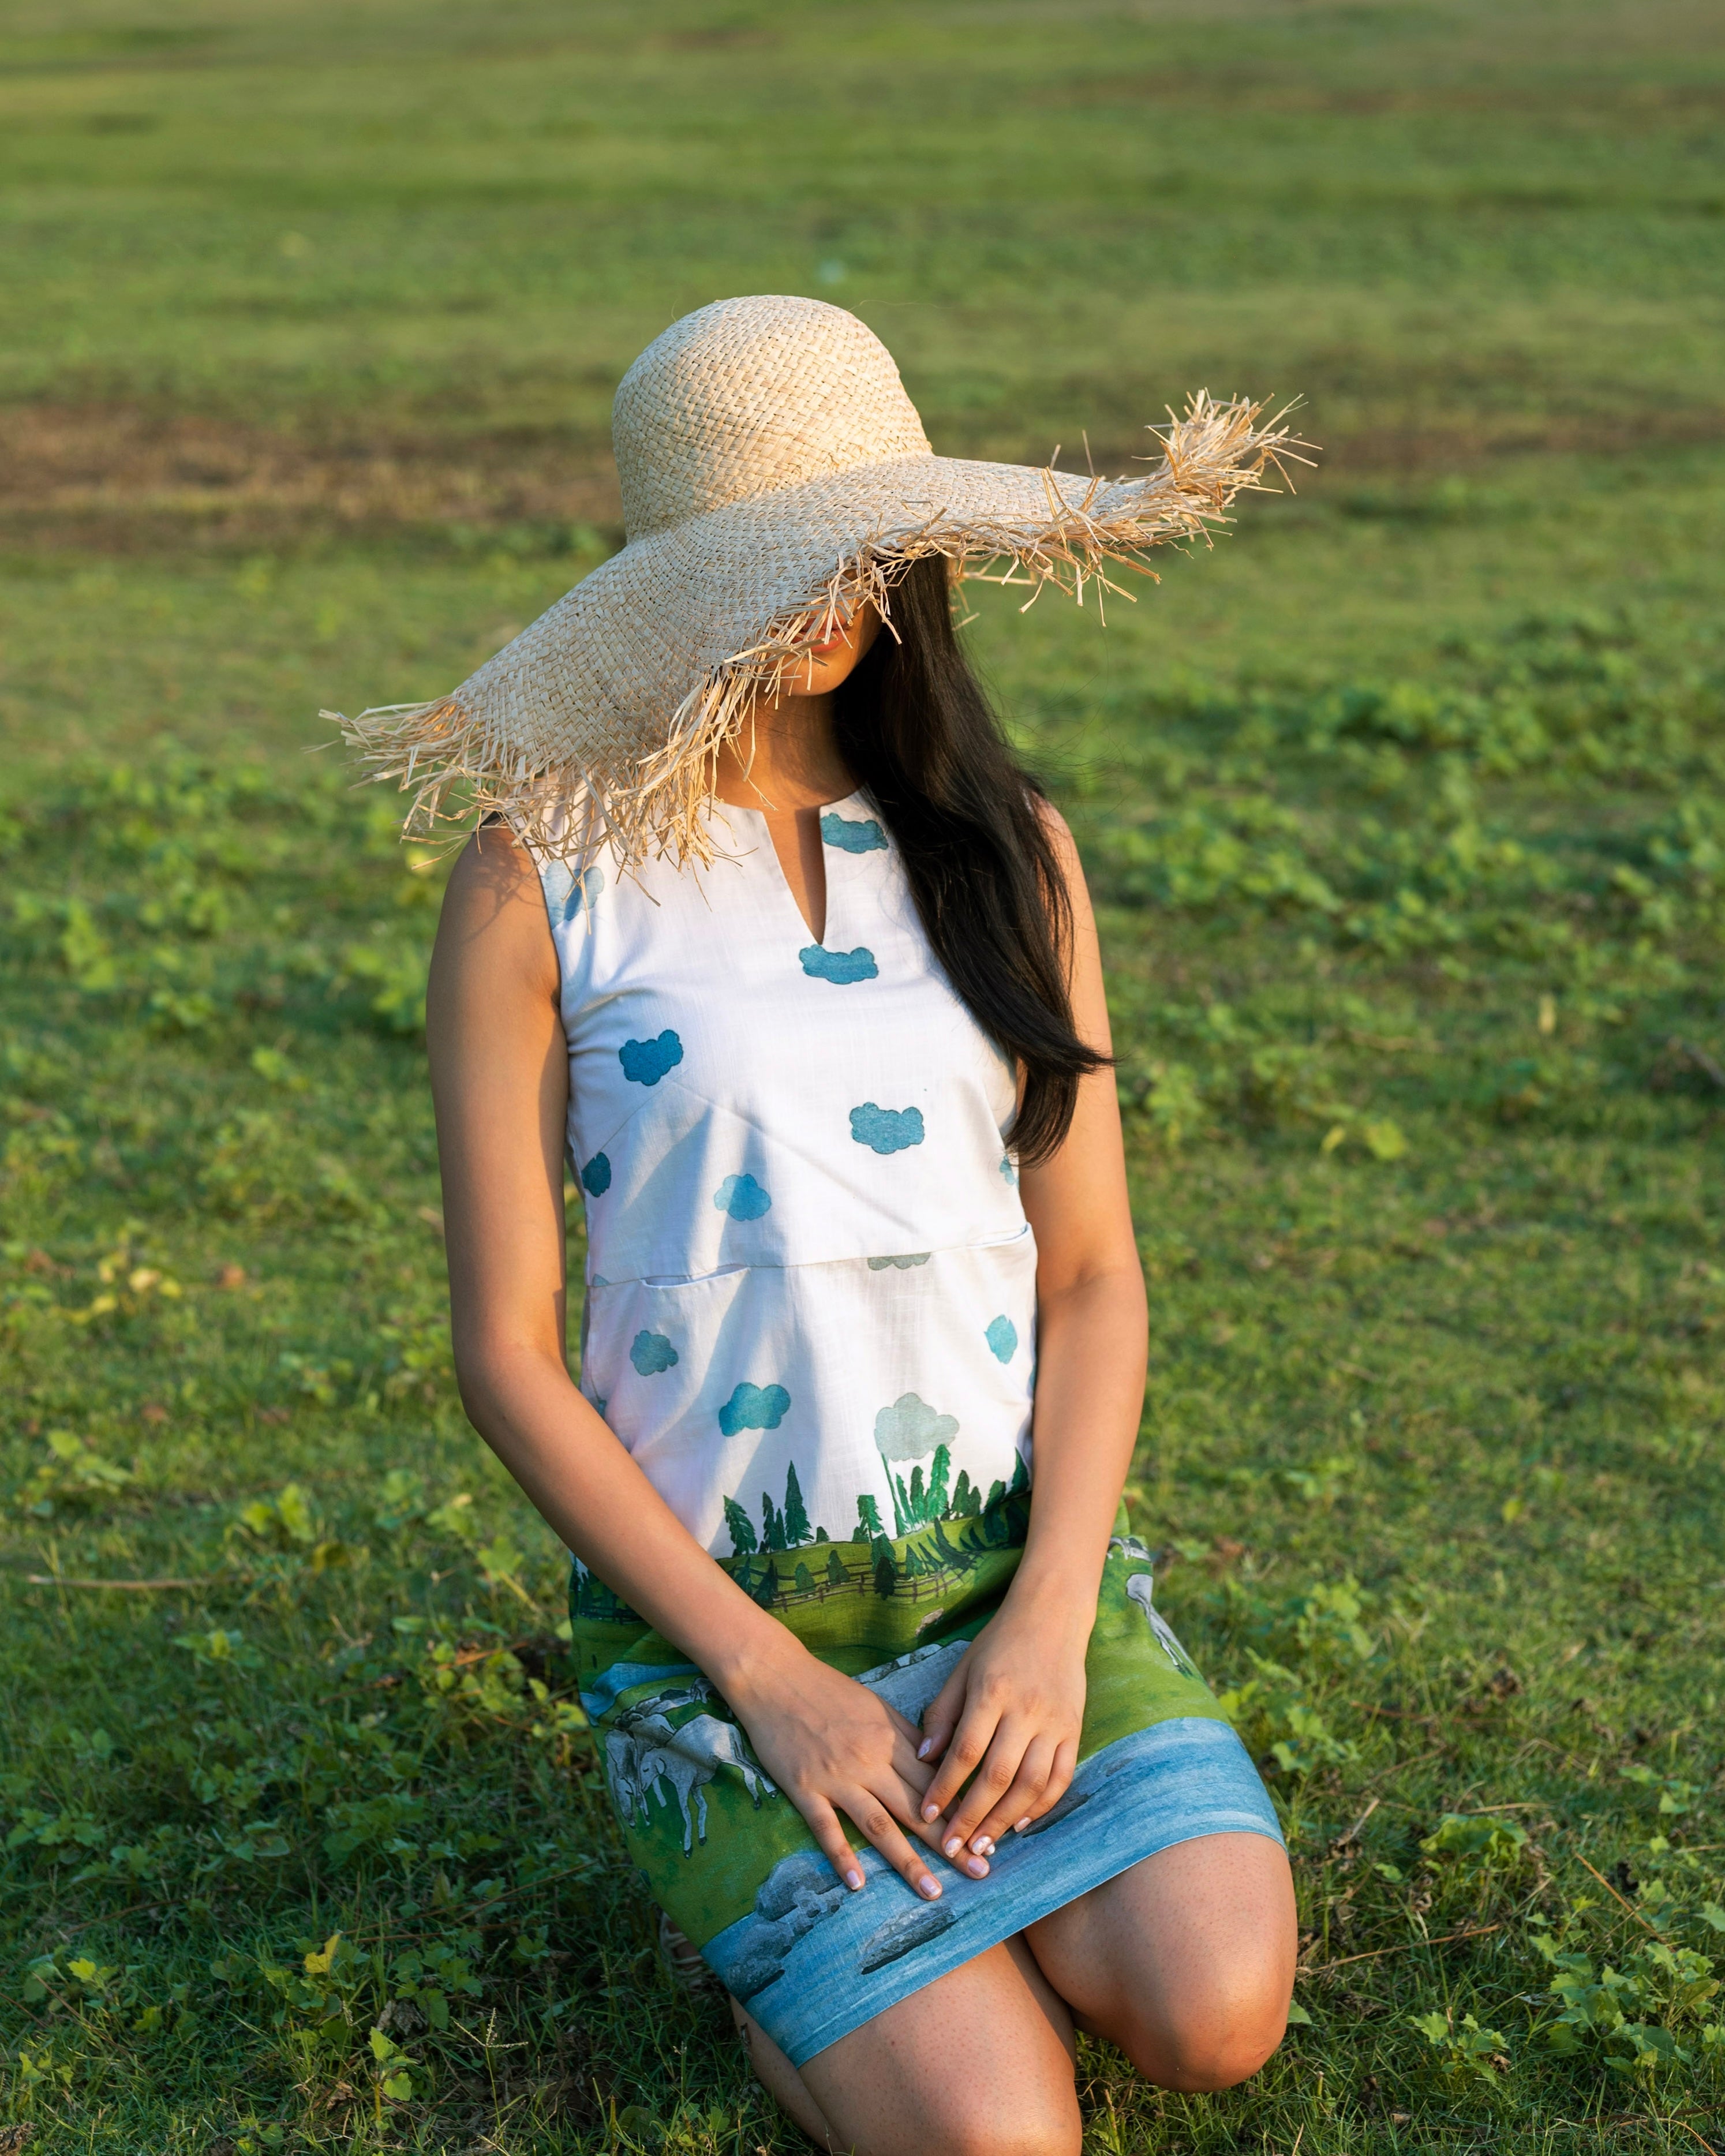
{"x":819,"y":677}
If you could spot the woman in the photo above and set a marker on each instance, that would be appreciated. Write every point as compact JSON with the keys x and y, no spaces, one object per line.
{"x":770,"y":935}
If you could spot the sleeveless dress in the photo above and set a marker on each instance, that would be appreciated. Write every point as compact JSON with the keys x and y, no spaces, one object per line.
{"x":810,"y":1315}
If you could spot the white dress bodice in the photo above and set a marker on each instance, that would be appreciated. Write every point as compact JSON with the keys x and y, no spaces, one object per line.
{"x":811,"y":1286}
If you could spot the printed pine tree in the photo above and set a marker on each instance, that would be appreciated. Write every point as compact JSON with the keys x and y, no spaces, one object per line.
{"x":924,"y":1500}
{"x":1006,"y":1514}
{"x":1020,"y":1476}
{"x":795,"y":1518}
{"x":869,"y":1512}
{"x":835,"y":1567}
{"x":949,"y":1555}
{"x":772,"y":1525}
{"x":967,"y":1499}
{"x":741,"y":1527}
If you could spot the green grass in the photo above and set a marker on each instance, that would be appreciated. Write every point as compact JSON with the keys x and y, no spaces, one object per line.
{"x":1404,"y":812}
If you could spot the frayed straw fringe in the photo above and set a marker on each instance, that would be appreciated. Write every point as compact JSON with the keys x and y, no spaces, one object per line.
{"x":655,"y":802}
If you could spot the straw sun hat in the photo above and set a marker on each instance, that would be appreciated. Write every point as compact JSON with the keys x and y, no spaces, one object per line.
{"x":774,"y":473}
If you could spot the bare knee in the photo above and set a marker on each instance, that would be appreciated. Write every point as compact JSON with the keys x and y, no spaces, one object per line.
{"x":1056,"y":2129}
{"x":967,"y":2117}
{"x":1204,"y":2060}
{"x":973,"y":2115}
{"x":974,"y":2127}
{"x":1211,"y":2040}
{"x":955,"y":2118}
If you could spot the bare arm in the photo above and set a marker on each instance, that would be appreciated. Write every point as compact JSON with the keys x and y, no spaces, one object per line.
{"x":500,"y":1084}
{"x":1092,"y":1322}
{"x":1012,"y":1711}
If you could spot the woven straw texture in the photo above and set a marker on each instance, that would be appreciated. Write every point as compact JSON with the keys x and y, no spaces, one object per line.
{"x":774,"y":474}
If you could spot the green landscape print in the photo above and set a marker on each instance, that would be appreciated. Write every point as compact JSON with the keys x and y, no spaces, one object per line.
{"x":921,"y":1564}
{"x":705,"y":1848}
{"x":856,"y":1602}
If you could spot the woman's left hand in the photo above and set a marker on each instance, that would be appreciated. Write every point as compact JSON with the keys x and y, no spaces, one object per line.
{"x":1007,"y":1721}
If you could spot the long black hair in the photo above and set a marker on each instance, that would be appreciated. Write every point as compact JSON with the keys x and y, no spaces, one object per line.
{"x":916,"y":727}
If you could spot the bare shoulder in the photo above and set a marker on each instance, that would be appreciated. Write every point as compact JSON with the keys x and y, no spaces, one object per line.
{"x":1066,"y":851}
{"x":1059,"y":830}
{"x":494,"y":918}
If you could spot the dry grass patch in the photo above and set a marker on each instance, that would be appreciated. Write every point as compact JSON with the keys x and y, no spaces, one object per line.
{"x":120,"y":478}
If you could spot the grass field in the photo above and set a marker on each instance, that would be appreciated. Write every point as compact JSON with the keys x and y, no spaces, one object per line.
{"x":1406,"y":812}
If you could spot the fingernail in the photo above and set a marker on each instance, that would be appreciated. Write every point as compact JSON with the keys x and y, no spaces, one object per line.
{"x":930,"y":1886}
{"x":983,"y":1846}
{"x":931,"y":1811}
{"x":924,"y":1748}
{"x":853,"y":1879}
{"x":1021,"y":1825}
{"x":952,"y":1846}
{"x":976,"y":1867}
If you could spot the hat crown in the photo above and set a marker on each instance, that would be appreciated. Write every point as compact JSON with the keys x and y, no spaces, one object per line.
{"x":750,"y":396}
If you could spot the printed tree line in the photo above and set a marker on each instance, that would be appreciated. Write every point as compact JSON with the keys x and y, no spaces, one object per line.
{"x":922,"y":1502}
{"x":782,"y":1527}
{"x":920,"y":1559}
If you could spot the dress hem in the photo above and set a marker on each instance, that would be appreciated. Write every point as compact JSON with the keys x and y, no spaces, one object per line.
{"x":1210,"y":1786}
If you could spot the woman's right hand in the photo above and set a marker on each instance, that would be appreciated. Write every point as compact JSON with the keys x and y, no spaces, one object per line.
{"x":839,"y":1752}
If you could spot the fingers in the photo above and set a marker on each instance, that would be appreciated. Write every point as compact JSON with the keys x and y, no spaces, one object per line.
{"x":975,"y":1733}
{"x":902,"y":1725}
{"x":906,"y":1760}
{"x":885,"y":1821}
{"x":877,"y":1826}
{"x":1014,"y":1768}
{"x":1041,"y":1780}
{"x":904,"y":1803}
{"x":941,"y":1716}
{"x":910,"y":1770}
{"x":828,"y":1829}
{"x":1060,"y":1780}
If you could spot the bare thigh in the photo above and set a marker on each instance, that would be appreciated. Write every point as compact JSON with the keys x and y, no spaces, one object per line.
{"x":977,"y":2063}
{"x":1186,"y":1961}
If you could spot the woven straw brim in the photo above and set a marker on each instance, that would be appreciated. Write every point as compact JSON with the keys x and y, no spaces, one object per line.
{"x":603,"y":718}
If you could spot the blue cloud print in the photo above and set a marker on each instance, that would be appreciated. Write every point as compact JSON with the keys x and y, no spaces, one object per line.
{"x":910,"y":1429}
{"x":742,"y":1198}
{"x":886,"y":1130}
{"x":754,"y":1407}
{"x":583,"y":893}
{"x":596,"y":1176}
{"x":1002,"y":1336}
{"x":853,"y":837}
{"x":651,"y":1352}
{"x":840,"y":966}
{"x":645,"y":1062}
